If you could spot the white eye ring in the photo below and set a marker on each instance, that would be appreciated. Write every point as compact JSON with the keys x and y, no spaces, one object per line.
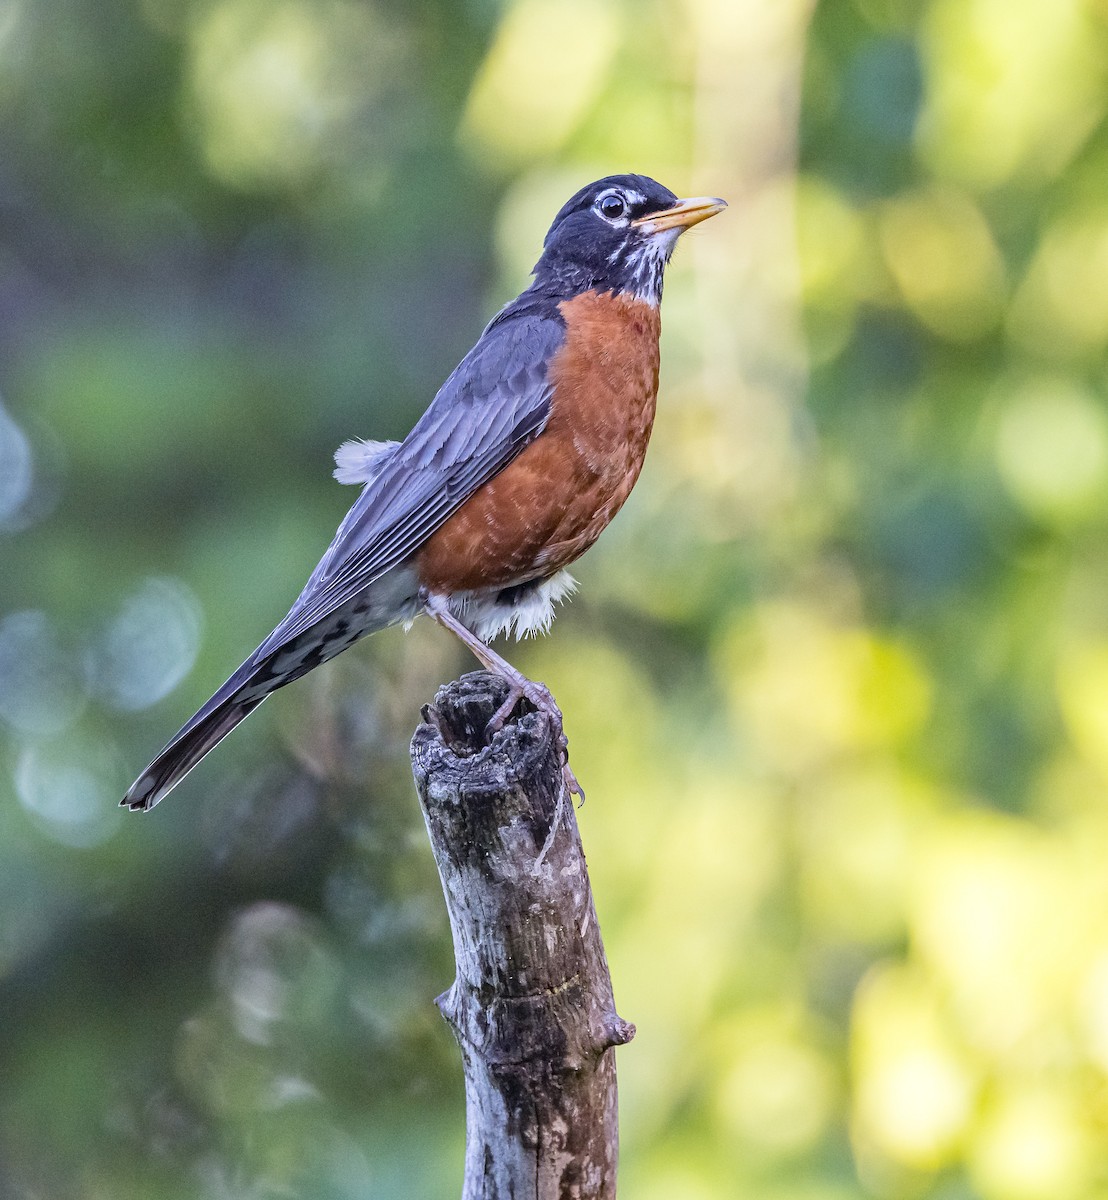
{"x":612,"y":206}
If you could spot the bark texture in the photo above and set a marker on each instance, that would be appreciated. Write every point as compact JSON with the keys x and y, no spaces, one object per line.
{"x":531,"y":1004}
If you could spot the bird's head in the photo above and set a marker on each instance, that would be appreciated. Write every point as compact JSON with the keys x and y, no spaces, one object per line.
{"x":617,"y":235}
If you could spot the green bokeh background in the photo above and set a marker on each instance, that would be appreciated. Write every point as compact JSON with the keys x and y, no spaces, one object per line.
{"x":836,"y":681}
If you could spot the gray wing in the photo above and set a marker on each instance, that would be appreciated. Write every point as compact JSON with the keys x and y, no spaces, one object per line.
{"x":495,"y":402}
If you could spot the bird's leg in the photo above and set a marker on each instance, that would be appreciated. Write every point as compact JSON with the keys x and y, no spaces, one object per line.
{"x":518,"y":683}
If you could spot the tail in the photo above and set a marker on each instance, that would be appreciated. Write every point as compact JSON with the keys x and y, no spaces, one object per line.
{"x":234,"y":701}
{"x":278,"y":660}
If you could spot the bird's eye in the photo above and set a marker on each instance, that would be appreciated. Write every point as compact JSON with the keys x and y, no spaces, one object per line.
{"x":612,"y":206}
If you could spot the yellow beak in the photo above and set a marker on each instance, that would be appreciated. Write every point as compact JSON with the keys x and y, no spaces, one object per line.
{"x":682,"y":215}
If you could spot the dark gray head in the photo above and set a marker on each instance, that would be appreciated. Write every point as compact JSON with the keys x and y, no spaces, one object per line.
{"x":616,"y":235}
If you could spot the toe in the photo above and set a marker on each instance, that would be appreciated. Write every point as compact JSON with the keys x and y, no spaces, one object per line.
{"x":572,"y":786}
{"x":496,"y":721}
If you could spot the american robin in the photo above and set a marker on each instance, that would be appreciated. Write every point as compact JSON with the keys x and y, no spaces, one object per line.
{"x":527,"y":452}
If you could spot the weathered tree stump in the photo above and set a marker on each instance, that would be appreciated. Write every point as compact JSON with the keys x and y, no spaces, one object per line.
{"x":532,"y":1004}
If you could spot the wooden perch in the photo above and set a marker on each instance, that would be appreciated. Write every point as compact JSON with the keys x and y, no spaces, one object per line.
{"x":532,"y":1004}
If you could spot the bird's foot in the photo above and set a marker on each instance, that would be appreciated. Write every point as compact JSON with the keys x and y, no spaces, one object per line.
{"x":519,"y":686}
{"x":539,"y":695}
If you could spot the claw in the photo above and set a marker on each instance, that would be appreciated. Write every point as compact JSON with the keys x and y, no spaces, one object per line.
{"x":568,"y":777}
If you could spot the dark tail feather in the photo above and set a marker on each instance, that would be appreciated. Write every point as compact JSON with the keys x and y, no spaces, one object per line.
{"x":234,"y":701}
{"x":183,"y":753}
{"x":275,"y":663}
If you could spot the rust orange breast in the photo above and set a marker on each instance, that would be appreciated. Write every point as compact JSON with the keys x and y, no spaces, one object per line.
{"x":554,"y":499}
